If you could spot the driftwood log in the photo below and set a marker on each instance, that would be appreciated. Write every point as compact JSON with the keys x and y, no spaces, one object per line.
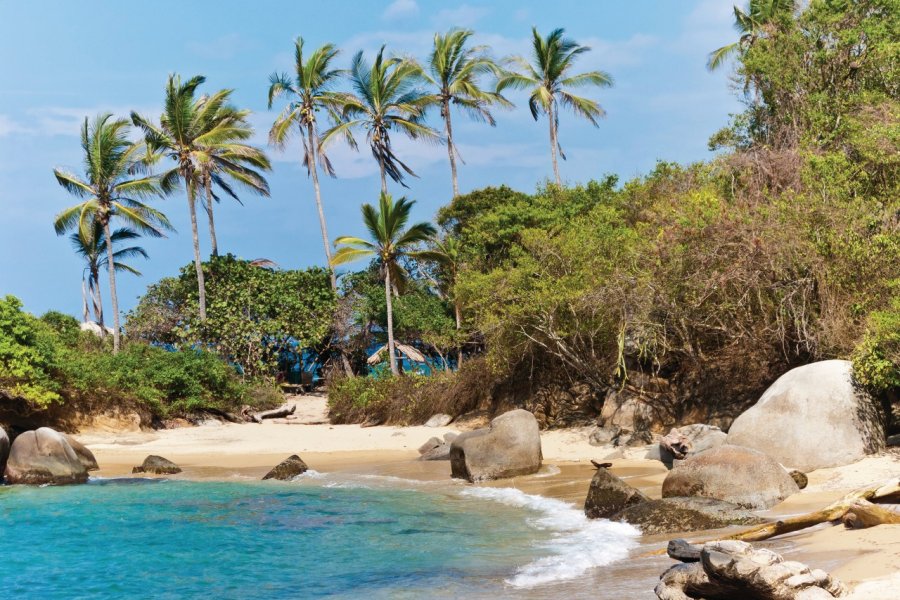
{"x":276,"y":413}
{"x":863,"y":513}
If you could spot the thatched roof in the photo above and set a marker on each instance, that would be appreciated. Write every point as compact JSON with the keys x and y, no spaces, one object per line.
{"x":408,"y":351}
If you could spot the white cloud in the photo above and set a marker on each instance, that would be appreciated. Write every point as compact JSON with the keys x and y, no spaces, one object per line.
{"x":9,"y":126}
{"x":223,"y":48}
{"x":399,"y":9}
{"x":464,"y":15}
{"x":65,"y":121}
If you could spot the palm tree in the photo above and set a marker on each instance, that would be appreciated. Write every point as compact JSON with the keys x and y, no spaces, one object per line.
{"x":447,"y":253}
{"x":390,"y":242}
{"x":386,"y":98}
{"x":454,"y":70}
{"x":115,"y":186}
{"x":550,"y":78}
{"x":310,"y":92}
{"x":756,"y":22}
{"x":93,"y":250}
{"x":188,"y":128}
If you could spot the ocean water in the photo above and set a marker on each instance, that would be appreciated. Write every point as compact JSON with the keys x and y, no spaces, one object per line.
{"x":316,"y":537}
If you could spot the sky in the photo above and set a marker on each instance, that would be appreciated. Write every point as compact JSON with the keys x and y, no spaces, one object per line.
{"x":61,"y":61}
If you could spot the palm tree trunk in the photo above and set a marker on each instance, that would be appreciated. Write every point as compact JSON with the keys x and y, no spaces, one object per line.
{"x":459,"y":355}
{"x":383,"y":178}
{"x":314,"y":172}
{"x":113,"y":298}
{"x":554,"y":145}
{"x":198,"y":263}
{"x":207,"y":183}
{"x":85,"y":311}
{"x":97,"y":300}
{"x":445,"y":108}
{"x":390,"y":320}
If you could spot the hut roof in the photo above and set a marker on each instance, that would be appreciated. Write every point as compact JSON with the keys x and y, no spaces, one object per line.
{"x":410,"y":352}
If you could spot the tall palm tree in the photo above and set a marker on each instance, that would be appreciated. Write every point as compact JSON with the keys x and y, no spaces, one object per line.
{"x":447,"y":253}
{"x":757,"y":21}
{"x":310,"y":92}
{"x":550,"y":79}
{"x":188,"y":128}
{"x":115,"y":187}
{"x":390,"y":242}
{"x":93,"y":250}
{"x":386,"y":97}
{"x":455,"y":70}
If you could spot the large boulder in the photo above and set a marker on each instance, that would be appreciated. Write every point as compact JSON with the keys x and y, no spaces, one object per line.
{"x":84,"y":455}
{"x":157,"y":465}
{"x":438,"y":420}
{"x":608,"y":495}
{"x":4,"y":450}
{"x":729,"y":570}
{"x":287,"y":469}
{"x":734,"y":474}
{"x":813,"y":417}
{"x":670,"y":515}
{"x":44,"y":456}
{"x":511,"y":446}
{"x":687,"y":441}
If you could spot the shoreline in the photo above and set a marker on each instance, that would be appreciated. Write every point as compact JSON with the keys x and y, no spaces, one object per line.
{"x":867,"y":559}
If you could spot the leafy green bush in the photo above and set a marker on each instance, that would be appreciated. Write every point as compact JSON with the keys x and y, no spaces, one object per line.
{"x":876,"y":362}
{"x":28,"y":354}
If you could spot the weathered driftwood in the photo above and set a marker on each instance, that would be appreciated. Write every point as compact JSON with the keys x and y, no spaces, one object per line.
{"x":599,"y":465}
{"x":863,"y":514}
{"x":276,"y":413}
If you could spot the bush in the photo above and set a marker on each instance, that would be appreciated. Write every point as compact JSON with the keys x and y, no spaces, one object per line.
{"x":876,"y":362}
{"x":28,"y":353}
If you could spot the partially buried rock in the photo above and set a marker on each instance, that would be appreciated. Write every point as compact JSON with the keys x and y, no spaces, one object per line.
{"x":728,"y":570}
{"x":435,"y":449}
{"x":439,"y":420}
{"x":603,"y":436}
{"x":84,"y":455}
{"x":608,"y":495}
{"x":734,"y":474}
{"x":671,"y":515}
{"x":511,"y":446}
{"x":157,"y":465}
{"x":44,"y":456}
{"x":287,"y":469}
{"x":799,"y":478}
{"x":690,"y":440}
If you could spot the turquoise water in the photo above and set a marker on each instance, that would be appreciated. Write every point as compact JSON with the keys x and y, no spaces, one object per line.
{"x":138,"y":538}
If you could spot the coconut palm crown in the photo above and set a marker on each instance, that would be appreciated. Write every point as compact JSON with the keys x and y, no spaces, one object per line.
{"x":751,"y":24}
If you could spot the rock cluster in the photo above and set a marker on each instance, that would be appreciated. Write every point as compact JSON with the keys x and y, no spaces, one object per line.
{"x":511,"y":446}
{"x":45,"y":456}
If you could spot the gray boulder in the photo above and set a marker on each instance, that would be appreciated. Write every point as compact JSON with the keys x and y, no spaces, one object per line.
{"x":431,"y":444}
{"x":44,"y":456}
{"x":511,"y":446}
{"x":608,"y":495}
{"x":4,"y":451}
{"x":812,"y":417}
{"x":287,"y":469}
{"x":729,"y":570}
{"x":690,"y":440}
{"x":671,"y":515}
{"x":157,"y":465}
{"x":439,"y":420}
{"x":84,"y":455}
{"x":436,"y":449}
{"x":603,"y":436}
{"x":734,"y":474}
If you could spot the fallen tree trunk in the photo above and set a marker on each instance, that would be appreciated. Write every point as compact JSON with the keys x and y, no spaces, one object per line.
{"x":863,"y":514}
{"x":276,"y":413}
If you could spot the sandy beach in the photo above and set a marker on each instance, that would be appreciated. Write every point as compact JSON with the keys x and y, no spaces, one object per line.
{"x":866,"y":560}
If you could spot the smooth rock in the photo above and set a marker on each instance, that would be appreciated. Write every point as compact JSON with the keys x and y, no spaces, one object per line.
{"x":799,"y":478}
{"x":511,"y":446}
{"x":438,"y":420}
{"x":431,"y":444}
{"x":157,"y":465}
{"x":608,"y":495}
{"x":450,"y":436}
{"x":734,"y":474}
{"x":633,"y":438}
{"x":813,"y":417}
{"x":287,"y":469}
{"x":441,"y":452}
{"x":682,"y":550}
{"x":84,"y":455}
{"x":682,"y":515}
{"x":4,"y":451}
{"x":604,"y":436}
{"x":690,"y":440}
{"x":44,"y":456}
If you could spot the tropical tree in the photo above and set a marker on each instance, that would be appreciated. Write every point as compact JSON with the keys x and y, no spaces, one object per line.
{"x":188,"y":128}
{"x":757,"y":21}
{"x":391,"y":241}
{"x":455,"y":70}
{"x":310,"y":92}
{"x":116,"y":186}
{"x":386,"y":97}
{"x":447,"y":254}
{"x":549,"y":79}
{"x":93,"y":250}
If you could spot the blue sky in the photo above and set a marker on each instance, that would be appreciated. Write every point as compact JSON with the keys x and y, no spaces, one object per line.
{"x":61,"y":61}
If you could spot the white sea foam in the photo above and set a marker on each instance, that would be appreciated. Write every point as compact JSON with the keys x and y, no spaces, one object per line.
{"x":577,"y":543}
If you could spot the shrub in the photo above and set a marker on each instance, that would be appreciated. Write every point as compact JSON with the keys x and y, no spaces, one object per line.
{"x":876,"y":362}
{"x":28,"y":353}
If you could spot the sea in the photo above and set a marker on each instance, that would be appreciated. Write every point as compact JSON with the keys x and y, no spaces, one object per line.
{"x":318,"y":536}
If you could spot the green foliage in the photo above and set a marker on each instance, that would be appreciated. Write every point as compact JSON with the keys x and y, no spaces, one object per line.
{"x":27,"y":355}
{"x":876,"y":362}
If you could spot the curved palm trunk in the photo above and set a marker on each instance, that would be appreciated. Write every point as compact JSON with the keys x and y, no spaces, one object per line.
{"x":207,"y":183}
{"x":85,"y":311}
{"x":459,"y":355}
{"x":383,"y":177}
{"x":554,"y":145}
{"x":198,"y":263}
{"x":97,"y":299}
{"x":390,"y":321}
{"x":113,"y":297}
{"x":313,"y":168}
{"x":445,"y":108}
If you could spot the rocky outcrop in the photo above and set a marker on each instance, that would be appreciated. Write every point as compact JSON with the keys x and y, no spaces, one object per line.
{"x":511,"y":446}
{"x":813,"y":417}
{"x":84,"y":455}
{"x":4,"y":451}
{"x":734,"y":474}
{"x":608,"y":495}
{"x":671,"y":515}
{"x":438,"y":420}
{"x":157,"y":465}
{"x":287,"y":469}
{"x":729,"y":570}
{"x":435,"y":449}
{"x":690,"y":440}
{"x":44,"y":456}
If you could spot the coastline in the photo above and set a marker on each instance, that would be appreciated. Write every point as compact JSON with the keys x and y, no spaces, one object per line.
{"x":867,"y":560}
